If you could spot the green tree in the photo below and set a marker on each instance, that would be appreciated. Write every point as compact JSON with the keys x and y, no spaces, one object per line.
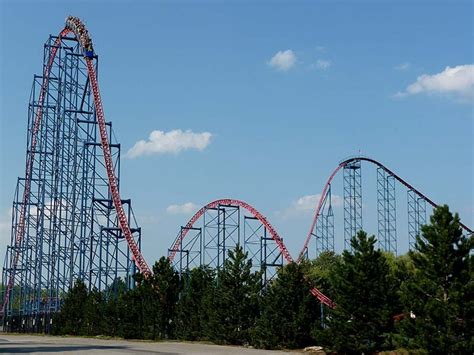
{"x":232,"y":305}
{"x":71,"y":319}
{"x":440,"y":294}
{"x":320,"y":269}
{"x":94,"y":313}
{"x":165,"y":289}
{"x":112,"y":296}
{"x":131,"y":323}
{"x":191,"y":311}
{"x":361,"y":292}
{"x":289,"y":311}
{"x":149,"y":310}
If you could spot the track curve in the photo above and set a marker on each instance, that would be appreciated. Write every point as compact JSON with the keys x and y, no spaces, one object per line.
{"x":226,"y":202}
{"x":276,"y":237}
{"x":76,"y":27}
{"x":331,"y":177}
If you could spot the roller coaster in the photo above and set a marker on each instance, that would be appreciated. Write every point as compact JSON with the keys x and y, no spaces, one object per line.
{"x":69,"y":221}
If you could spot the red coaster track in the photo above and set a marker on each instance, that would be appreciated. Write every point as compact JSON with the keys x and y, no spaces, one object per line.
{"x":274,"y":234}
{"x":76,"y":27}
{"x":328,"y":184}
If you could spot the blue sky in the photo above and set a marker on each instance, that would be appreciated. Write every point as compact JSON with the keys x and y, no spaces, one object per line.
{"x":345,"y":77}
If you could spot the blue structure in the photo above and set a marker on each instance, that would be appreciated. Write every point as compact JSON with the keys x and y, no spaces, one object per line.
{"x":71,"y":227}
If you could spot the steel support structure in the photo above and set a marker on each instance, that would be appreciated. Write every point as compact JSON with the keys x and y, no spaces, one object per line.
{"x":221,"y":232}
{"x":189,"y":253}
{"x":386,"y":211}
{"x":71,"y":229}
{"x":352,"y":201}
{"x":416,"y":216}
{"x":261,"y":248}
{"x":324,"y":231}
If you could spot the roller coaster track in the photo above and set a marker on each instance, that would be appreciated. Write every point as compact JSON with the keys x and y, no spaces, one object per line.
{"x":228,"y":202}
{"x":328,"y":184}
{"x":274,"y":234}
{"x":75,"y":26}
{"x":85,"y":42}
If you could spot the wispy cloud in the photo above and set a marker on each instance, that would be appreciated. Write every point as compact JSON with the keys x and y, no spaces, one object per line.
{"x":457,"y":81}
{"x":307,"y":204}
{"x":403,"y":66}
{"x":283,"y":60}
{"x":321,"y":64}
{"x":174,"y":141}
{"x":185,"y":208}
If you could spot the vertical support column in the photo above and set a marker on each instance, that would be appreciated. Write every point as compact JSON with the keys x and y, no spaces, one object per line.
{"x":188,"y":254}
{"x":221,"y":235}
{"x":215,"y":233}
{"x":64,"y":231}
{"x":416,"y":216}
{"x":352,"y":201}
{"x":262,"y":250}
{"x":386,"y":211}
{"x":391,"y":215}
{"x":324,"y":233}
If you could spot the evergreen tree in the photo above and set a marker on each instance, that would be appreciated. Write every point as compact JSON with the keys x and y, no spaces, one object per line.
{"x":320,"y":269}
{"x":71,"y":319}
{"x":289,"y":311}
{"x":233,"y":303}
{"x":361,"y":293}
{"x":191,"y":312}
{"x":113,"y":294}
{"x":165,"y":289}
{"x":94,"y":313}
{"x":440,"y":295}
{"x":131,"y":323}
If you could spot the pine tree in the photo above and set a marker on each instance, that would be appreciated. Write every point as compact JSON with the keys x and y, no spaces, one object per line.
{"x":361,"y":292}
{"x":289,"y":311}
{"x":165,"y":292}
{"x":94,"y":313}
{"x":113,"y":293}
{"x":191,"y":313}
{"x":71,"y":319}
{"x":131,"y":324}
{"x":232,"y":305}
{"x":440,"y":295}
{"x":320,"y":269}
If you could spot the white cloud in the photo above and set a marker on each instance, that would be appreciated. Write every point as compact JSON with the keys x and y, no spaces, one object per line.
{"x":283,"y":60}
{"x":174,"y":141}
{"x":457,"y":81}
{"x":322,"y":64}
{"x":185,"y":208}
{"x":307,"y":204}
{"x":403,"y":66}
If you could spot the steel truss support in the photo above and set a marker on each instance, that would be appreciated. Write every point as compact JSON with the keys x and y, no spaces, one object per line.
{"x":386,"y":211}
{"x":416,"y":216}
{"x":262,"y":250}
{"x":352,"y":201}
{"x":221,"y":232}
{"x":71,"y":229}
{"x":189,"y":253}
{"x":324,"y":230}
